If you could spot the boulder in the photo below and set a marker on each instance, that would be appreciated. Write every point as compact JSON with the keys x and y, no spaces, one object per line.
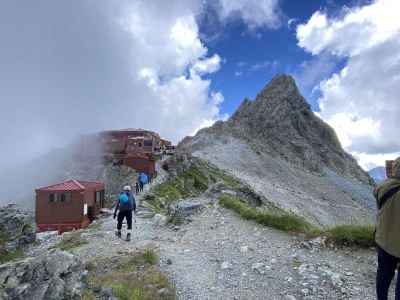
{"x":53,"y":275}
{"x":188,"y":207}
{"x":17,"y":228}
{"x":160,"y":220}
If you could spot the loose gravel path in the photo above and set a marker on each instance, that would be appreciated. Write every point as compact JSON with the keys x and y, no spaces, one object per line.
{"x":221,"y":256}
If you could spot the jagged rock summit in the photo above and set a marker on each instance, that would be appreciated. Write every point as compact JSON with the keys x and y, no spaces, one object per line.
{"x":278,"y":144}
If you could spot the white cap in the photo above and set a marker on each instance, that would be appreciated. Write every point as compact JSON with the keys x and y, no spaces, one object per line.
{"x":127,"y":188}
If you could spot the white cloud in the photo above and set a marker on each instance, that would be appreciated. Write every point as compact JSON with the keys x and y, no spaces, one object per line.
{"x":370,"y":161}
{"x":360,"y":29}
{"x":264,"y":65}
{"x":254,"y":13}
{"x":165,"y":50}
{"x":312,"y":71}
{"x":208,"y":65}
{"x":120,"y":64}
{"x":361,"y":101}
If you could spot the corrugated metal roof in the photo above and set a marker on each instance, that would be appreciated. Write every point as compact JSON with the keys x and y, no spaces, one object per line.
{"x":92,"y":184}
{"x":72,"y":185}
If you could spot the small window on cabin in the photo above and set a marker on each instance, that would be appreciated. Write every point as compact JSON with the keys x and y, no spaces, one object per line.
{"x":148,"y":143}
{"x":140,"y":144}
{"x":62,"y":197}
{"x":52,"y":198}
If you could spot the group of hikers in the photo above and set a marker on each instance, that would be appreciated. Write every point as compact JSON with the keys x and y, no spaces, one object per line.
{"x":387,"y":234}
{"x":142,"y":180}
{"x":126,"y":204}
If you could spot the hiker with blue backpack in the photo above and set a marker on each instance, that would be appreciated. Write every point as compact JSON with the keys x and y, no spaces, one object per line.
{"x":125,"y":205}
{"x":143,"y":179}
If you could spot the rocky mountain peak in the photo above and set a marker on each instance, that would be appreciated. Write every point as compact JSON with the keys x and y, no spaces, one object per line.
{"x":280,"y":122}
{"x":280,"y":96}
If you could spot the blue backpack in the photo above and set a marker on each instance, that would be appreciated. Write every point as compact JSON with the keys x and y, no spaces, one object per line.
{"x":123,"y":199}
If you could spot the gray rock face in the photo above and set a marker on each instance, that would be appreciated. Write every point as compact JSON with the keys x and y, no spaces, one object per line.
{"x":281,"y":123}
{"x":16,"y":228}
{"x":55,"y":275}
{"x":288,"y":155}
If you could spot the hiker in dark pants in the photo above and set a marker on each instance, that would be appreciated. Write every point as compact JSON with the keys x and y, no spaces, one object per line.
{"x":137,"y":187}
{"x":125,"y":205}
{"x":387,"y":235}
{"x":141,"y":184}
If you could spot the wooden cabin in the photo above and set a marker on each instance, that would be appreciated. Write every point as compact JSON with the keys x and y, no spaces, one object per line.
{"x":135,"y":148}
{"x":141,"y":163}
{"x":68,"y":205}
{"x":130,"y":141}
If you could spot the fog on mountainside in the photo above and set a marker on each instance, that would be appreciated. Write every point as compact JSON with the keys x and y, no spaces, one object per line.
{"x":82,"y":158}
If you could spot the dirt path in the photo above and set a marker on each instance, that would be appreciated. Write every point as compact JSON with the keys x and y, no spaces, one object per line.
{"x":220,"y":256}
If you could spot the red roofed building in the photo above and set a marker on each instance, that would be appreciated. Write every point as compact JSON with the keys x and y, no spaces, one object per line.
{"x":68,"y":205}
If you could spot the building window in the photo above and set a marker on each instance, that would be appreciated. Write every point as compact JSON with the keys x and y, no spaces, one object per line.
{"x":52,"y":198}
{"x":65,"y":197}
{"x":148,"y":143}
{"x":61,"y":197}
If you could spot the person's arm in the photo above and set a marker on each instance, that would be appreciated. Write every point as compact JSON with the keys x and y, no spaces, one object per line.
{"x":116,"y":209}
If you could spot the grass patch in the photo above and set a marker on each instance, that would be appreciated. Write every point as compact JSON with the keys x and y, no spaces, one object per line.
{"x":352,"y":235}
{"x":88,"y":295}
{"x":71,"y":240}
{"x":6,"y":256}
{"x":192,"y":182}
{"x":285,"y":222}
{"x":150,"y":256}
{"x":343,"y":235}
{"x":189,"y":183}
{"x":130,"y":278}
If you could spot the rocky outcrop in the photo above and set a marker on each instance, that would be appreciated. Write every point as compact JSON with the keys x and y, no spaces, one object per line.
{"x":282,"y":149}
{"x":54,"y":275}
{"x":17,"y":229}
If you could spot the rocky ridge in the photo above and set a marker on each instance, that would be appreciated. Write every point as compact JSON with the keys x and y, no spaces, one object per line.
{"x":289,"y":155}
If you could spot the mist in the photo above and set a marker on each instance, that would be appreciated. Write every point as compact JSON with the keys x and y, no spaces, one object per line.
{"x":70,"y":68}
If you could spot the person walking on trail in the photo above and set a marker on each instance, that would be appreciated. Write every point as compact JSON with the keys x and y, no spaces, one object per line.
{"x":387,"y":235}
{"x":125,"y":205}
{"x":137,"y":187}
{"x":142,"y":180}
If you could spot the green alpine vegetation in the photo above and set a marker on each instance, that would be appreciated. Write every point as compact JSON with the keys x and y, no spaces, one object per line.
{"x":282,"y":221}
{"x":342,"y":235}
{"x":352,"y":235}
{"x":189,"y":182}
{"x":133,"y":277}
{"x":71,"y":241}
